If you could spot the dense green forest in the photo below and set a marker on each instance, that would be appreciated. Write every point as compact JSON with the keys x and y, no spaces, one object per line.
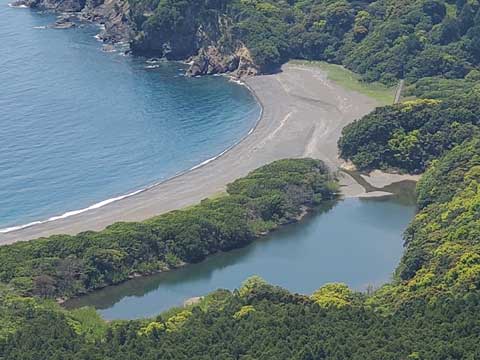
{"x":438,"y":114}
{"x":64,"y":266}
{"x":383,"y":40}
{"x":408,"y":136}
{"x":429,"y":311}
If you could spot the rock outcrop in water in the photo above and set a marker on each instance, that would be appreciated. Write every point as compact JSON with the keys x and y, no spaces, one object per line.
{"x":64,"y":22}
{"x":112,"y":14}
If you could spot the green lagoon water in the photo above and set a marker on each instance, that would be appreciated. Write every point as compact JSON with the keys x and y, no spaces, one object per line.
{"x":358,"y":242}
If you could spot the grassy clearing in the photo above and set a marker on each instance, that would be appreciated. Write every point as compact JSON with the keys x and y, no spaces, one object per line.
{"x":451,"y":10}
{"x":88,"y":322}
{"x":351,"y":81}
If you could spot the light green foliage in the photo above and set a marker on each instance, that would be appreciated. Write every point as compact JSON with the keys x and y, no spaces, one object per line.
{"x":87,"y":322}
{"x":175,"y":322}
{"x":153,"y":328}
{"x":251,"y":284}
{"x":333,"y":295}
{"x":351,"y":81}
{"x":404,"y":145}
{"x":412,"y":105}
{"x":443,"y":253}
{"x":243,"y":312}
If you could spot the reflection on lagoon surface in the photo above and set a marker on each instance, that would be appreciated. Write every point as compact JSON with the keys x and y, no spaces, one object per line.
{"x":356,"y":241}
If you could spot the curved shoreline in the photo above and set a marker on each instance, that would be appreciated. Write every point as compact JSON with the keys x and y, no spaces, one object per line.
{"x":111,"y":200}
{"x":302,"y":114}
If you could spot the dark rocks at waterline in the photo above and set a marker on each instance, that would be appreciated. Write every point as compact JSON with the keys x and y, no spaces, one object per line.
{"x":117,"y":27}
{"x":108,"y":48}
{"x":21,"y":3}
{"x":211,"y":61}
{"x":64,"y":23}
{"x":61,"y":6}
{"x":154,"y":60}
{"x":113,"y":15}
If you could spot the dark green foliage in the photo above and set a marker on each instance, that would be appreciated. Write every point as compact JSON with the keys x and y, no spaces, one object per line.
{"x":278,"y":326}
{"x":281,"y":328}
{"x":447,"y":89}
{"x":410,"y":135}
{"x":383,"y":40}
{"x":64,"y":265}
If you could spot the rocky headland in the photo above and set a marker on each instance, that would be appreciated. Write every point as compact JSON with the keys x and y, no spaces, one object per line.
{"x":204,"y":42}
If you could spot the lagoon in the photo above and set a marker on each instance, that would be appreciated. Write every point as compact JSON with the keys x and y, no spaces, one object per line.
{"x":356,"y":241}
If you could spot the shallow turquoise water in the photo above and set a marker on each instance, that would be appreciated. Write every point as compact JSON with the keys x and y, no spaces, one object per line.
{"x":78,"y":125}
{"x":358,"y":242}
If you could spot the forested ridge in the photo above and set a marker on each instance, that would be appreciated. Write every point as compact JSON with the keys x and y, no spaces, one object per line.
{"x":438,"y":113}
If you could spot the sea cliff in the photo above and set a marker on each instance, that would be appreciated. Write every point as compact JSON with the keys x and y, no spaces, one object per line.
{"x":203,"y":41}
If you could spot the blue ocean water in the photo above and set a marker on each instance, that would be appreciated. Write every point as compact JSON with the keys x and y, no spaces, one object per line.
{"x":79,"y":125}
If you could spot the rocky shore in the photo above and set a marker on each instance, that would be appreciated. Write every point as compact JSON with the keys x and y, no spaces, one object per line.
{"x":212,"y":61}
{"x":202,"y":51}
{"x":113,"y":15}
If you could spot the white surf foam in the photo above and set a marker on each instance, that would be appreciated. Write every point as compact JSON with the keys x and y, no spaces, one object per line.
{"x":18,"y":6}
{"x":236,"y":81}
{"x":203,"y":163}
{"x":70,"y":213}
{"x":109,"y":201}
{"x":121,"y":197}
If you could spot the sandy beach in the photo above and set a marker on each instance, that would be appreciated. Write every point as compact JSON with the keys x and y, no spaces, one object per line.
{"x":303,"y":115}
